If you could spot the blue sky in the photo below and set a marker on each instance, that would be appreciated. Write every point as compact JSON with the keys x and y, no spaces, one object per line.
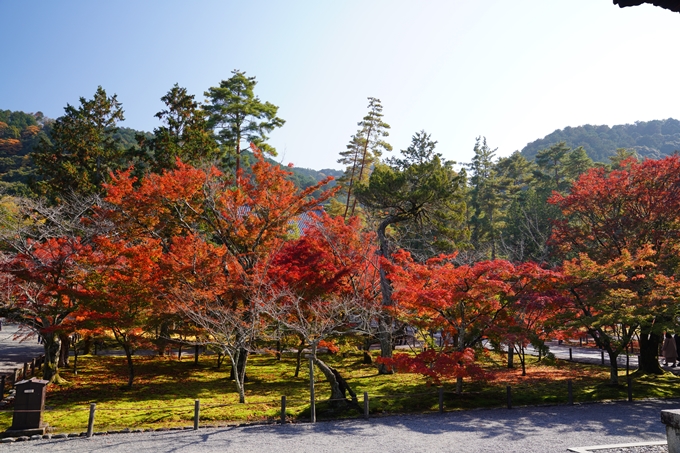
{"x":510,"y":71}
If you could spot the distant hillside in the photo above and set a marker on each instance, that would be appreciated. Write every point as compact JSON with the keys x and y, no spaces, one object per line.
{"x":650,"y":139}
{"x":303,"y":177}
{"x":20,"y":132}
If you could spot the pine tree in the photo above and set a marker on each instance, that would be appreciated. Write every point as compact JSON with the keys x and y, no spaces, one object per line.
{"x":185,"y":134}
{"x":422,"y":190}
{"x":240,"y":117}
{"x":489,"y":198}
{"x":363,"y":151}
{"x":81,"y":151}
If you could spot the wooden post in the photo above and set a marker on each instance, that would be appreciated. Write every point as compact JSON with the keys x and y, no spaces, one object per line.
{"x":441,"y":400}
{"x":33,"y":367}
{"x":197,"y":411}
{"x":2,"y":386}
{"x":90,"y":421}
{"x":630,"y":389}
{"x":26,"y":370}
{"x":508,"y":391}
{"x":366,"y":407}
{"x":571,"y":357}
{"x":580,"y":341}
{"x":196,"y":354}
{"x":602,"y":353}
{"x":283,"y":409}
{"x":570,"y":391}
{"x":16,"y":376}
{"x":312,"y":402}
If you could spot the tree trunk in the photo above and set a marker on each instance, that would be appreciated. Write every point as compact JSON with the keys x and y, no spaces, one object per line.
{"x":385,"y":322}
{"x":522,"y":358}
{"x":162,"y":339}
{"x":63,"y":352}
{"x":339,"y":387}
{"x":511,"y":355}
{"x":240,"y":368}
{"x":613,"y":367}
{"x":238,"y":376}
{"x":131,"y":368}
{"x":87,"y":344}
{"x":385,"y":338}
{"x":298,"y":364}
{"x":368,"y":358}
{"x":649,"y":353}
{"x":51,"y":345}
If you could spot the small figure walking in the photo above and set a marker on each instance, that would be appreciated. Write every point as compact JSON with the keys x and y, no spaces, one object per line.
{"x":668,"y":350}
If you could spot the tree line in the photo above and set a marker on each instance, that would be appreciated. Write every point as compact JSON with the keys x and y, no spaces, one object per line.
{"x":188,"y":238}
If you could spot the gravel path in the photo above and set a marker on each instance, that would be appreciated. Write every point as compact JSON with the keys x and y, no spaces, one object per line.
{"x":530,"y":429}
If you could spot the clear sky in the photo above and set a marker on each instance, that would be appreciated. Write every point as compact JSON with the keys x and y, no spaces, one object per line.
{"x":513,"y":71}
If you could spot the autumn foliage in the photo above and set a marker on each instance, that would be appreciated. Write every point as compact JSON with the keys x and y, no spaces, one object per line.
{"x":242,"y":260}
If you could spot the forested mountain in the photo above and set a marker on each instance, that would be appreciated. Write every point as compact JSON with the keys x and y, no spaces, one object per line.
{"x":21,"y":132}
{"x":302,"y":177}
{"x":650,"y":139}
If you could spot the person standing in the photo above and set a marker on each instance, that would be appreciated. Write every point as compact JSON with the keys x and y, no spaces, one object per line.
{"x":669,"y":350}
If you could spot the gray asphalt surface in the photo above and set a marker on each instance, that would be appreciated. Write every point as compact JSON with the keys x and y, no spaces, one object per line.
{"x":533,"y":429}
{"x":14,"y":353}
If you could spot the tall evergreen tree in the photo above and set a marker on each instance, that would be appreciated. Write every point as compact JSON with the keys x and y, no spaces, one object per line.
{"x":363,"y":151}
{"x":239,"y":117}
{"x":550,"y":167}
{"x":576,"y":162}
{"x":81,"y":151}
{"x":621,"y":155}
{"x":185,"y":133}
{"x":489,"y":198}
{"x":530,"y":217}
{"x":421,"y":189}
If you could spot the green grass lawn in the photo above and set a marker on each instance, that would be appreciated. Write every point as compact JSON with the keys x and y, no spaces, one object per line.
{"x":165,"y":390}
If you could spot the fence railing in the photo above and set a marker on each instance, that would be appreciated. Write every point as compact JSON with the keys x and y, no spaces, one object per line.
{"x":198,"y":408}
{"x":7,"y":381}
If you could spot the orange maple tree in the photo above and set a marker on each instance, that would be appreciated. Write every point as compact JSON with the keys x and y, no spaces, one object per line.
{"x":122,"y":277}
{"x":46,"y":290}
{"x":216,"y":236}
{"x":321,"y":286}
{"x":613,"y":219}
{"x":464,"y":305}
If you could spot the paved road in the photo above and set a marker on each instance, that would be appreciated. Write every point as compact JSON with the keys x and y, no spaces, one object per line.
{"x":14,"y":353}
{"x":593,"y":356}
{"x":535,"y":429}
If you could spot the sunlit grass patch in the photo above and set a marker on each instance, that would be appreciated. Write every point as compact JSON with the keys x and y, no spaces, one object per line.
{"x":165,"y":390}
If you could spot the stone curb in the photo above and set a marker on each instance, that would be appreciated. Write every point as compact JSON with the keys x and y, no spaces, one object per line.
{"x":263,"y":423}
{"x":612,"y":446}
{"x":7,"y":440}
